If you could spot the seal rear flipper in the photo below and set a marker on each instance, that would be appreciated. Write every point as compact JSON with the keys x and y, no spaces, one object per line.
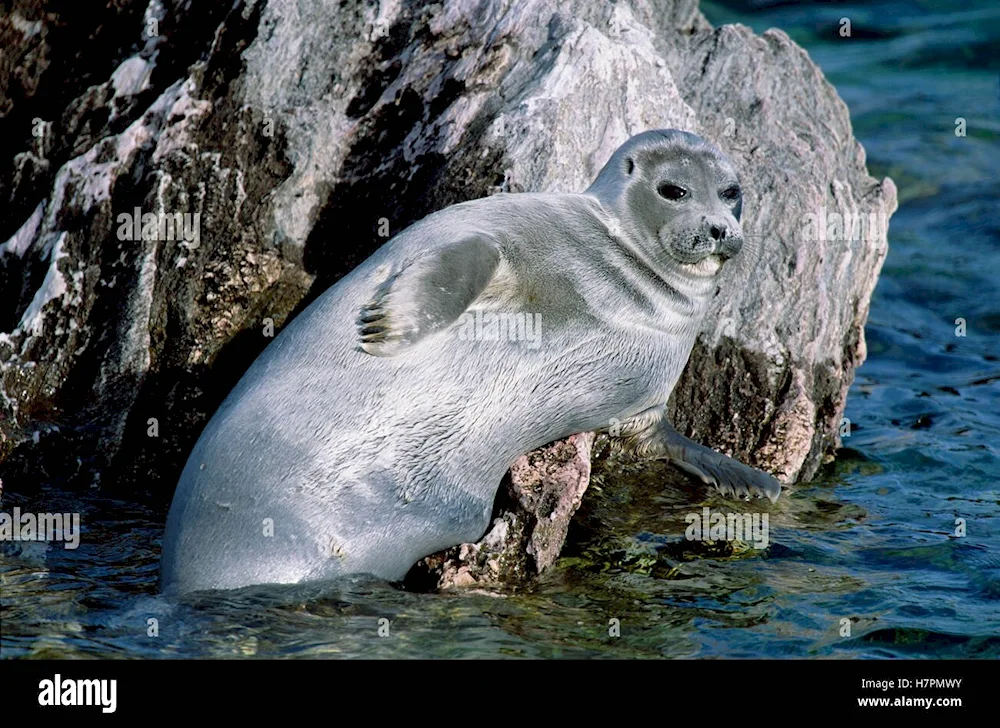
{"x":729,"y":476}
{"x":427,"y":295}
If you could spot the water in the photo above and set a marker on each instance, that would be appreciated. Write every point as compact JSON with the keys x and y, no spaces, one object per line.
{"x":872,"y":540}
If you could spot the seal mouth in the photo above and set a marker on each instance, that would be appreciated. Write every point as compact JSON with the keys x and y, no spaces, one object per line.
{"x":706,"y":267}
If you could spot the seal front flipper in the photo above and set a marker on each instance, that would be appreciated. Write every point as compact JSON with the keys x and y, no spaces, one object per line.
{"x":729,"y":476}
{"x":426,"y":295}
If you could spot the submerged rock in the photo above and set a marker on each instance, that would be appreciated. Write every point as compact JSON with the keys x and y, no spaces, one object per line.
{"x":182,"y":179}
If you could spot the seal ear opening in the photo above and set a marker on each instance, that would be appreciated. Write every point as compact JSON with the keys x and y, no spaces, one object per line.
{"x":629,"y":166}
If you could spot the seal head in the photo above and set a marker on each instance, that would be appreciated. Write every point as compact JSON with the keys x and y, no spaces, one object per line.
{"x":677,"y":200}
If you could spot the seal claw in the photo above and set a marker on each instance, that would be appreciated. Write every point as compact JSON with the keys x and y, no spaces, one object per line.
{"x":427,"y":295}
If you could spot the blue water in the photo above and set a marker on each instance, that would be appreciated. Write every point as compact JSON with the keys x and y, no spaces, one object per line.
{"x":871,"y":542}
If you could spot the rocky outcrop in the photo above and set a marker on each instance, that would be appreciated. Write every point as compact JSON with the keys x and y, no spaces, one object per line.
{"x":184,"y":177}
{"x":531,"y":516}
{"x":768,"y":379}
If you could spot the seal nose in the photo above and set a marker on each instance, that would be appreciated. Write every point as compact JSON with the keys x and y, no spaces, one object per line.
{"x":728,"y":241}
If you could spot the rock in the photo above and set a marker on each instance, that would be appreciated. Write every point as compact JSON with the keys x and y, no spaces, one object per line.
{"x":182,"y":178}
{"x":530,"y":519}
{"x":767,"y":381}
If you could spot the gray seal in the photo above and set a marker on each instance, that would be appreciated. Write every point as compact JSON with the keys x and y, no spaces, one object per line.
{"x":376,"y":428}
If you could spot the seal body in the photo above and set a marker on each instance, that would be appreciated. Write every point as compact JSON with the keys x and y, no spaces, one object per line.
{"x":376,"y":428}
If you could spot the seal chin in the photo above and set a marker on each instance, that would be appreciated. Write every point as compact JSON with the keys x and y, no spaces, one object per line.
{"x":704,"y":268}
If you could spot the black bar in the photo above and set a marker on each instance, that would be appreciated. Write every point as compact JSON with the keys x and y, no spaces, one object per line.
{"x":714,"y":689}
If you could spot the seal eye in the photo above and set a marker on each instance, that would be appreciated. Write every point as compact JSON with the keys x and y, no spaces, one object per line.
{"x":732,"y":194}
{"x":671,"y":192}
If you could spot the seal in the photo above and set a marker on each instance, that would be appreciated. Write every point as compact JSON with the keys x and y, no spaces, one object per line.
{"x":376,"y":428}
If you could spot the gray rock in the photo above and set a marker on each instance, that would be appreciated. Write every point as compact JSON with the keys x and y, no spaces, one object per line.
{"x":768,"y":379}
{"x":532,"y":514}
{"x":297,"y":131}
